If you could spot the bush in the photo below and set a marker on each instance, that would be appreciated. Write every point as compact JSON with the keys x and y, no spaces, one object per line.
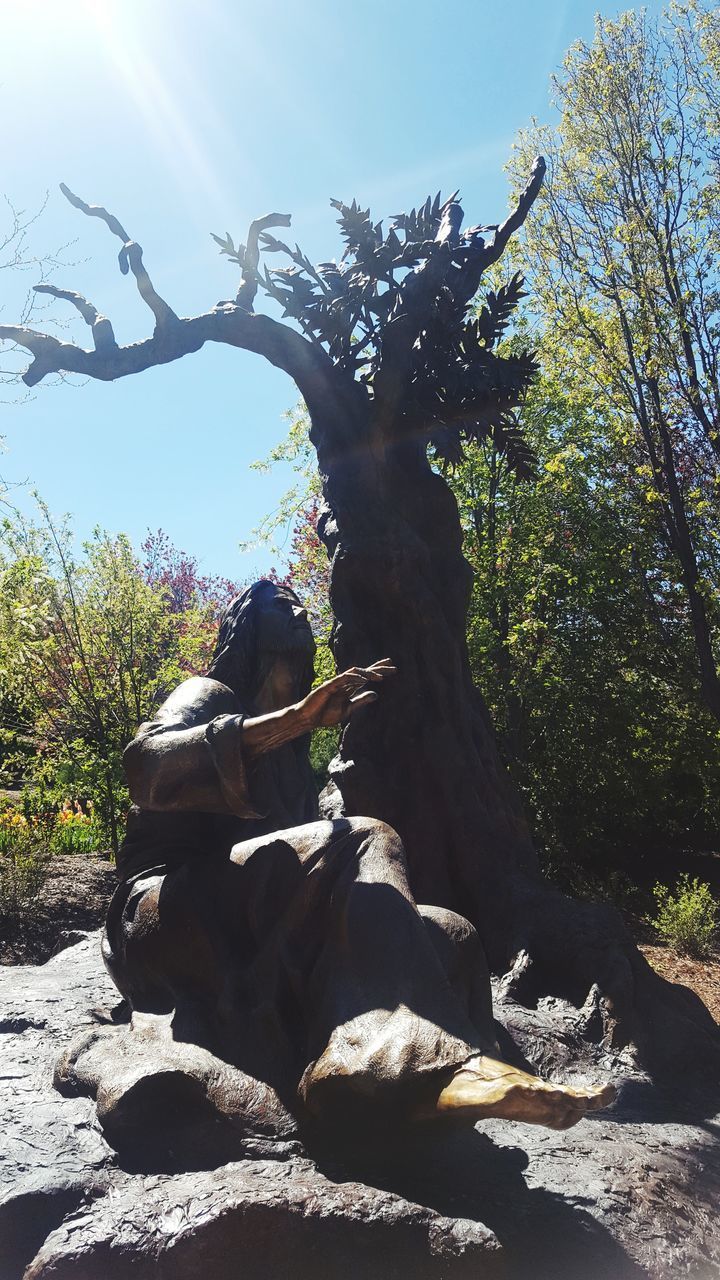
{"x":323,"y":747}
{"x":64,"y":797}
{"x":686,"y":919}
{"x":24,"y":861}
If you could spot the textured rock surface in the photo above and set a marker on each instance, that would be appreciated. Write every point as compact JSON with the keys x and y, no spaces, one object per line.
{"x":263,"y":1219}
{"x":633,"y":1194}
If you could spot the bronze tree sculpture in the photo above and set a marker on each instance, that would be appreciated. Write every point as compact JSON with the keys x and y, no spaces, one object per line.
{"x":287,"y":948}
{"x":394,"y":364}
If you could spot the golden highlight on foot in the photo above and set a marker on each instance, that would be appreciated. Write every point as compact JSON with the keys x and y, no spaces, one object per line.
{"x":485,"y":1089}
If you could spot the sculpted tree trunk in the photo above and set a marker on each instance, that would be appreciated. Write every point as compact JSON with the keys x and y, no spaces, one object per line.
{"x":424,"y":759}
{"x":392,"y":362}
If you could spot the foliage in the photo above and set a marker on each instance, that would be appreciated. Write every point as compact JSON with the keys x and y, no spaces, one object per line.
{"x":456,"y":386}
{"x":194,"y":601}
{"x":622,"y":255}
{"x":296,"y":451}
{"x":686,"y":919}
{"x":18,"y":257}
{"x":89,"y":642}
{"x":177,"y":575}
{"x":83,"y":641}
{"x":576,"y":636}
{"x":575,"y":877}
{"x":24,"y":861}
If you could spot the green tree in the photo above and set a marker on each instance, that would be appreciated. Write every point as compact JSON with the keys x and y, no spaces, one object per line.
{"x":623,"y":259}
{"x":86,"y":647}
{"x":577,"y":639}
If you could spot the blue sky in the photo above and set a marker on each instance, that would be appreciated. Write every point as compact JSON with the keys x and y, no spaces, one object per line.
{"x":185,"y":118}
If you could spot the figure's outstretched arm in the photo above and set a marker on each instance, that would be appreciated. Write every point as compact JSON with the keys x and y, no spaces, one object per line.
{"x":175,"y":764}
{"x":329,"y":704}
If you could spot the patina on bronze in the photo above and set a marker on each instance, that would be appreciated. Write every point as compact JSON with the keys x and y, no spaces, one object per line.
{"x":288,"y":947}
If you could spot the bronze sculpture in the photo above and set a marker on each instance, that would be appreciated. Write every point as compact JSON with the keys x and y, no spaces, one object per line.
{"x":290,"y":947}
{"x":397,"y":367}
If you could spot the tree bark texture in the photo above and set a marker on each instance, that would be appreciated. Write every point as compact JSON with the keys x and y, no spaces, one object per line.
{"x":425,"y":760}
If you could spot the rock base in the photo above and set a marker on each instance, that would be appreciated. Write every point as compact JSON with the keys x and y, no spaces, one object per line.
{"x":630,"y":1194}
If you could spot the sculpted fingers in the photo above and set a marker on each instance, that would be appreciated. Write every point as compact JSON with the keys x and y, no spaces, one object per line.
{"x":352,"y":680}
{"x":361,"y":700}
{"x":375,"y":672}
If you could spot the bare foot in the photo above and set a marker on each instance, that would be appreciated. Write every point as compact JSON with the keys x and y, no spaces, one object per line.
{"x":484,"y":1089}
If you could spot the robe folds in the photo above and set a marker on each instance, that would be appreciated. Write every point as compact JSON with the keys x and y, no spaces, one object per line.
{"x":294,"y":942}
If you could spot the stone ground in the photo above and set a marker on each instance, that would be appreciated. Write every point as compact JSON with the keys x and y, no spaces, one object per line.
{"x":629,"y":1195}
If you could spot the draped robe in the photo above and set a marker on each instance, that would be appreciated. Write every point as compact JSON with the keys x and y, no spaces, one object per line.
{"x":290,"y":946}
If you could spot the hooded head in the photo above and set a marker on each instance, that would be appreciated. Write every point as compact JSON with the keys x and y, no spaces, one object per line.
{"x":264,"y":623}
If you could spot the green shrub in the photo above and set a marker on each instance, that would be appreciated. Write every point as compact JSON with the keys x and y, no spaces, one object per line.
{"x":323,"y":747}
{"x":686,"y":919}
{"x":24,"y":862}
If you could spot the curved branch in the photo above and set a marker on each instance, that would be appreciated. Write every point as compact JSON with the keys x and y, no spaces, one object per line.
{"x":96,"y":211}
{"x":514,"y":221}
{"x":102,"y":330}
{"x":310,"y":367}
{"x":480,"y":255}
{"x":248,"y":287}
{"x":164,"y":315}
{"x":44,"y":349}
{"x":130,"y":257}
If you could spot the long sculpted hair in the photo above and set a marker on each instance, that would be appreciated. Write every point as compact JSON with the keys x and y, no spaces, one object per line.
{"x":237,"y":661}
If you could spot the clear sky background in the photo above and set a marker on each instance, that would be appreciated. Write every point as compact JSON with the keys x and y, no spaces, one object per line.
{"x":185,"y":117}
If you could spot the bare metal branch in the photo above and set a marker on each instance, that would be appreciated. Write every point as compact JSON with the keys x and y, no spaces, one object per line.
{"x":514,"y":221}
{"x":130,"y":257}
{"x":482,"y":255}
{"x":164,"y":315}
{"x":102,"y":330}
{"x":44,"y":349}
{"x":97,"y":211}
{"x":248,"y":287}
{"x":309,"y":366}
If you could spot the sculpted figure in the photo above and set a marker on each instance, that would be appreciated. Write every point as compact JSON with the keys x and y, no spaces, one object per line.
{"x":291,"y":947}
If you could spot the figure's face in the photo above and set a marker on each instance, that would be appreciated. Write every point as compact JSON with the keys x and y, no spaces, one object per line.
{"x":282,"y":625}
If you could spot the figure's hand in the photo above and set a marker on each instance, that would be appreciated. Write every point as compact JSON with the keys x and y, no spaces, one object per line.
{"x":337,"y":699}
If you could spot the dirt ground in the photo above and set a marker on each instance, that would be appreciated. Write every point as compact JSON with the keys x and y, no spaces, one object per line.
{"x":702,"y":976}
{"x":74,"y":898}
{"x":78,"y":889}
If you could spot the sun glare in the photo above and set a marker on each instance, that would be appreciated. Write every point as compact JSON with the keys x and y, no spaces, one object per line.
{"x":154,"y":79}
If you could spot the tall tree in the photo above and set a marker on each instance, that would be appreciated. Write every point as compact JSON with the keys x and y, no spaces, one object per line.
{"x":393,"y":362}
{"x":623,"y":255}
{"x":578,"y":640}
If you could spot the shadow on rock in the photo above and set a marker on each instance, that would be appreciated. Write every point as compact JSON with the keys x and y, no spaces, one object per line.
{"x":461,"y":1174}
